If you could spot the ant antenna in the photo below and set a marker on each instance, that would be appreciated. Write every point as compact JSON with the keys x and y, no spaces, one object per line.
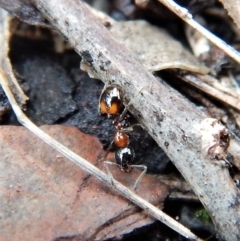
{"x":130,"y":103}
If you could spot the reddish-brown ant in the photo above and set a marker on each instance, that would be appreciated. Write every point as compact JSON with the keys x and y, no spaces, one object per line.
{"x":111,"y":104}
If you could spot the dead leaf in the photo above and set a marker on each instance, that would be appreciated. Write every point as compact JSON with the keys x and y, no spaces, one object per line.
{"x":44,"y":196}
{"x":154,"y":47}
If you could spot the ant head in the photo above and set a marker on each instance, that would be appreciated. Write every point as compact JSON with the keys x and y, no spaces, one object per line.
{"x":111,"y":101}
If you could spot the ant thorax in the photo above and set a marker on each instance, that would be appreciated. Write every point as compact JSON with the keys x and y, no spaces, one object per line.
{"x":120,"y":123}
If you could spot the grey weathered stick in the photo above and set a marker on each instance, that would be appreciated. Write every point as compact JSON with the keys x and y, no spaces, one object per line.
{"x":8,"y":80}
{"x":183,"y":131}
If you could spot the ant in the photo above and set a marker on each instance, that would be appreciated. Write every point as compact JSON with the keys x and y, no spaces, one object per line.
{"x":111,"y":105}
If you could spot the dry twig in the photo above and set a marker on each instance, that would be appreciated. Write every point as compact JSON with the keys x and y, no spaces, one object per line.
{"x":196,"y":80}
{"x":187,"y":17}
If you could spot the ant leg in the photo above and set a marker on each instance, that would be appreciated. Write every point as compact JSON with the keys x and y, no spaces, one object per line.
{"x":130,"y":128}
{"x":142,"y":167}
{"x":107,"y":151}
{"x":107,"y":169}
{"x":224,"y":163}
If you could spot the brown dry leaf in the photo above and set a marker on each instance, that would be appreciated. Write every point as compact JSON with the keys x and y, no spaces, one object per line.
{"x":154,"y":47}
{"x":43,"y":196}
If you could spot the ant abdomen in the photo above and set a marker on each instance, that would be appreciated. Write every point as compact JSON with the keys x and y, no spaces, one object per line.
{"x":111,"y":101}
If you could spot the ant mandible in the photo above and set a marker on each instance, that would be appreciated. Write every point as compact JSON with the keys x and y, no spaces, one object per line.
{"x":111,"y":104}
